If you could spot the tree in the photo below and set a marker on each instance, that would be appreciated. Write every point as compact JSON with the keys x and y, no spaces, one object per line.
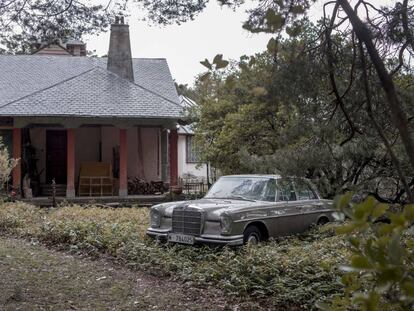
{"x":278,"y":106}
{"x":25,"y":22}
{"x":6,"y":165}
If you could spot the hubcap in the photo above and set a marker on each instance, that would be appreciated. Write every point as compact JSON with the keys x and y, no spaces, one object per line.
{"x":253,"y":239}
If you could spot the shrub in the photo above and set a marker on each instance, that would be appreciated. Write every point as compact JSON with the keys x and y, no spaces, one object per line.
{"x":6,"y":165}
{"x":380,"y":272}
{"x":293,"y":273}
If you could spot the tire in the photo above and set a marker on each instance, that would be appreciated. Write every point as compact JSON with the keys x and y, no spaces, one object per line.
{"x":252,"y":235}
{"x":322,"y":221}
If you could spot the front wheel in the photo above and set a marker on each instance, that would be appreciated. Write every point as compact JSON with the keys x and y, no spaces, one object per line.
{"x":252,"y":235}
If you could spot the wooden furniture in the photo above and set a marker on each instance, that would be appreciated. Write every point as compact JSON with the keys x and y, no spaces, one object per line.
{"x":95,"y":179}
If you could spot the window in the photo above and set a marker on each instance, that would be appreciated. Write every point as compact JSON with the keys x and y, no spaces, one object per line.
{"x":270,"y":191}
{"x":304,"y":191}
{"x":285,"y":190}
{"x":192,"y":154}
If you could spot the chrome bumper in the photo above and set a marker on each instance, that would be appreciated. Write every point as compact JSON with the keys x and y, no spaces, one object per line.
{"x":234,"y":240}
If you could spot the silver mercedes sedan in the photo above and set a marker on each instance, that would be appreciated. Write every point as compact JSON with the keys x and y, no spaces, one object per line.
{"x":242,"y":209}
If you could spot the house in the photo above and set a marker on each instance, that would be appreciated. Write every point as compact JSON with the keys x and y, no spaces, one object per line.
{"x":189,"y":165}
{"x":62,"y":113}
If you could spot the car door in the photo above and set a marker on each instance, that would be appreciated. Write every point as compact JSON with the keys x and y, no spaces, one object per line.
{"x":307,"y":204}
{"x":286,"y":210}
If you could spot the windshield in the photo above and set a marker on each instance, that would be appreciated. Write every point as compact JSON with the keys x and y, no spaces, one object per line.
{"x":247,"y":188}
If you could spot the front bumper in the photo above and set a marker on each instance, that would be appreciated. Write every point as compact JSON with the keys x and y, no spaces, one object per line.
{"x":234,"y":240}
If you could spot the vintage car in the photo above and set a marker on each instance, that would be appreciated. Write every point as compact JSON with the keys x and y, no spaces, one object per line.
{"x":241,"y":209}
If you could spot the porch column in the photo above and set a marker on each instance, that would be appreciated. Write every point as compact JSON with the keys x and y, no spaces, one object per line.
{"x":17,"y":154}
{"x":173,"y":146}
{"x":164,"y":155}
{"x":70,"y":184}
{"x":123,"y":159}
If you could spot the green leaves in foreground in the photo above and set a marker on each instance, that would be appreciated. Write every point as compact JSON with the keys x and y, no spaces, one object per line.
{"x":380,"y":271}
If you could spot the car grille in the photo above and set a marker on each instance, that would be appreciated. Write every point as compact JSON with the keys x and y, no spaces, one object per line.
{"x":186,"y":220}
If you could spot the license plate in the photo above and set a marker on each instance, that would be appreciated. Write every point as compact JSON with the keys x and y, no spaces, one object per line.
{"x":181,"y":238}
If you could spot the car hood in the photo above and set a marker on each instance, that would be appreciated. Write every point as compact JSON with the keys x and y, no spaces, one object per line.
{"x":212,"y":207}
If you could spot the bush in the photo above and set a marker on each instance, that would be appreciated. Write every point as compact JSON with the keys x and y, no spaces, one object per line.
{"x":294,"y":272}
{"x":380,"y":272}
{"x":6,"y":165}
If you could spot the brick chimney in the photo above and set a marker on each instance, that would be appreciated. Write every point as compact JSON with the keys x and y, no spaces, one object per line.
{"x":119,"y":54}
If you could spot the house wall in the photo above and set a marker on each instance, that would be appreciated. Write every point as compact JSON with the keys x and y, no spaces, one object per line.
{"x":199,"y":170}
{"x":150,"y":148}
{"x":87,"y":149}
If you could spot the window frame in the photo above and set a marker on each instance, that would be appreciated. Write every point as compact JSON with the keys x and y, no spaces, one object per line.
{"x":309,"y":185}
{"x":187,"y":157}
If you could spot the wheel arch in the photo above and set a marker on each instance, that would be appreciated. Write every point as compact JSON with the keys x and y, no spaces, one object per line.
{"x":323,"y":218}
{"x":261,"y":226}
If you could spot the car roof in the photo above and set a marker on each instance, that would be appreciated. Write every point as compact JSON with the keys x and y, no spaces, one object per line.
{"x":255,"y":176}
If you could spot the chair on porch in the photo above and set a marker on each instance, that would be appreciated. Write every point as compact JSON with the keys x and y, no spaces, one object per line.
{"x":95,"y":179}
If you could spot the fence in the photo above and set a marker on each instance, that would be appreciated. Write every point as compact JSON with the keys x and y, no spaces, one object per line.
{"x":194,"y":187}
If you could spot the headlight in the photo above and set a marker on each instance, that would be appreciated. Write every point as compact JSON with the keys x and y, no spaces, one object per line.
{"x":155,"y":218}
{"x":225,"y":223}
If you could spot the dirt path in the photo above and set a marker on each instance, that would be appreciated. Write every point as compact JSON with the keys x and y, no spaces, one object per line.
{"x":33,"y":277}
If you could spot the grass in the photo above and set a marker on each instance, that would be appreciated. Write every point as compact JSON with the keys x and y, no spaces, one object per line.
{"x":292,"y":273}
{"x":34,"y":277}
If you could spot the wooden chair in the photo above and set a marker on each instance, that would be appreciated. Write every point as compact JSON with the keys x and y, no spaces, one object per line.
{"x":95,"y":179}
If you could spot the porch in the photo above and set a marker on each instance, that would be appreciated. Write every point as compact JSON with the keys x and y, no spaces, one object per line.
{"x":68,"y":152}
{"x":110,"y":201}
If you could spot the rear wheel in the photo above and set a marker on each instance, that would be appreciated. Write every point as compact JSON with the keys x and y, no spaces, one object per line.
{"x":252,"y":235}
{"x":323,"y":221}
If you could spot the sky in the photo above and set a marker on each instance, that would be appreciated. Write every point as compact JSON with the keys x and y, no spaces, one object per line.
{"x":216,"y":30}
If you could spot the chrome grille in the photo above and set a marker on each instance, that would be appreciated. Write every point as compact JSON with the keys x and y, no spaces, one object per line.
{"x":186,"y":220}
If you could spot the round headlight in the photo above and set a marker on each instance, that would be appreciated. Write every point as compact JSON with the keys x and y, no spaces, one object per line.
{"x":155,"y":218}
{"x":225,"y":223}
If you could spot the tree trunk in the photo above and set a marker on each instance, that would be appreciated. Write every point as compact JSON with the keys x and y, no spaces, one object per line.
{"x":398,"y":116}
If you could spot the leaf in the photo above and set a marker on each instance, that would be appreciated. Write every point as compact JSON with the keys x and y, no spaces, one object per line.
{"x":387,"y":276}
{"x":361,"y":262}
{"x":397,"y":220}
{"x":205,"y":76}
{"x":345,"y":229}
{"x":408,"y":288}
{"x":297,"y":9}
{"x":343,"y":200}
{"x":379,"y":210}
{"x":272,"y":45}
{"x":395,"y":250}
{"x":409,"y":212}
{"x":217,"y":58}
{"x":364,"y":209}
{"x":220,"y":62}
{"x":355,"y":242}
{"x":206,"y":63}
{"x":274,"y":21}
{"x":323,"y":306}
{"x":294,"y":31}
{"x":259,"y":91}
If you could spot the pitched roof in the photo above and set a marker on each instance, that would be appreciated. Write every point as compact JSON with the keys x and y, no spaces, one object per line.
{"x":32,"y":85}
{"x":186,"y":103}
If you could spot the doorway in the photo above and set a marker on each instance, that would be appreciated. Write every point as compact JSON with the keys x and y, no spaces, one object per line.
{"x":56,"y":156}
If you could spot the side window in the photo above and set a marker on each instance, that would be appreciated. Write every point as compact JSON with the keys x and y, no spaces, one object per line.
{"x":285,"y":190}
{"x":270,"y":191}
{"x":304,"y":191}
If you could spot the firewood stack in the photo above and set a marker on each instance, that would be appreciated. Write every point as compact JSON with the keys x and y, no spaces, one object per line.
{"x":140,"y":186}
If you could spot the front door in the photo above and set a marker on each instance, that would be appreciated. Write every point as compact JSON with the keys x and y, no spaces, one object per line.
{"x":56,"y":153}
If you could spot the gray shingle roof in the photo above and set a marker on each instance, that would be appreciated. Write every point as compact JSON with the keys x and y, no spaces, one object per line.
{"x":32,"y":85}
